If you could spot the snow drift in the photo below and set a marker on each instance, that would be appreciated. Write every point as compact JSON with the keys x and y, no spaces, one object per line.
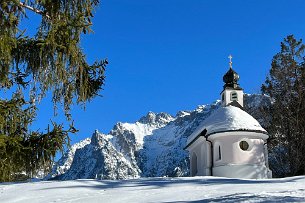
{"x":182,"y":189}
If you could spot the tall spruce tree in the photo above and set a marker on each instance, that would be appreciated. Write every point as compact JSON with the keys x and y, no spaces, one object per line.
{"x":286,"y":116}
{"x":49,"y":62}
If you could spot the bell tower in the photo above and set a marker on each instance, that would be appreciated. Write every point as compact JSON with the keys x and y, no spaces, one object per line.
{"x":232,"y":93}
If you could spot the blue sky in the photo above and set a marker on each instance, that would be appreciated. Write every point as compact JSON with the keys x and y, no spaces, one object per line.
{"x":170,"y":55}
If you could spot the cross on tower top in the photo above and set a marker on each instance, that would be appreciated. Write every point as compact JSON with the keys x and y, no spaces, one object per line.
{"x":230,"y":57}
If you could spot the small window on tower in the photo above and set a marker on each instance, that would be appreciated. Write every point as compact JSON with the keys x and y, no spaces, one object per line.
{"x":223,"y":97}
{"x":234,"y":96}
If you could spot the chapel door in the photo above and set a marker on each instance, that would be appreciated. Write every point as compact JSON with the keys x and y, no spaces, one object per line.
{"x":194,"y":165}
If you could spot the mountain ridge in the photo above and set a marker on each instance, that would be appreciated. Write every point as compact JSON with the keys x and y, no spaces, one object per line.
{"x":150,"y":147}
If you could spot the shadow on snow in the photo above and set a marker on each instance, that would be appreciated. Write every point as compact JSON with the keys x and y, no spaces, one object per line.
{"x":151,"y":183}
{"x":243,"y":197}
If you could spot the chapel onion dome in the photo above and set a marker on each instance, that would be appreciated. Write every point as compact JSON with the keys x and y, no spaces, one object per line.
{"x":230,"y":79}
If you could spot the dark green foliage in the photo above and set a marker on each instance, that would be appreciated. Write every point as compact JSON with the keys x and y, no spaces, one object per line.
{"x":51,"y":61}
{"x":286,"y":87}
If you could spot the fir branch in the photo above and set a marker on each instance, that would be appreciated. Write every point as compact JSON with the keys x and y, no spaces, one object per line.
{"x":40,"y":12}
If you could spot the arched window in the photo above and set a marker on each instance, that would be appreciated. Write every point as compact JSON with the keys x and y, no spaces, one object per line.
{"x":219,"y":153}
{"x":234,"y":96}
{"x":223,"y":97}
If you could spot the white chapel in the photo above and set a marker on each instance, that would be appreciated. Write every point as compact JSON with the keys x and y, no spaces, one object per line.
{"x":230,"y":142}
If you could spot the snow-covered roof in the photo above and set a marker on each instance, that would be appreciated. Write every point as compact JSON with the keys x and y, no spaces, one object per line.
{"x":229,"y":118}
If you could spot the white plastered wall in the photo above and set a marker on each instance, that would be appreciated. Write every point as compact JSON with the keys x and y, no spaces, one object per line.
{"x":235,"y":162}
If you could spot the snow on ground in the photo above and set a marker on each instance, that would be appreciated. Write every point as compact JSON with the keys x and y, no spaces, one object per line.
{"x":188,"y":189}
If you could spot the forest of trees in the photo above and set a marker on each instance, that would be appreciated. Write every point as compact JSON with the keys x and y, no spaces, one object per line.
{"x":285,"y":118}
{"x":31,"y":66}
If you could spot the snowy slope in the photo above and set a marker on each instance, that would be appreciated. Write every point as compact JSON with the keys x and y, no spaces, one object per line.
{"x":151,"y":147}
{"x":191,"y":189}
{"x":64,"y":164}
{"x":98,"y":159}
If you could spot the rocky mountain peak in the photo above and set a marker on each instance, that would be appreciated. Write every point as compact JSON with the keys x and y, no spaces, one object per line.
{"x":96,"y":136}
{"x":153,"y":118}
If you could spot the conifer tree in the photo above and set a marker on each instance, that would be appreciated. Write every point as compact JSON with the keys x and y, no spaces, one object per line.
{"x":49,"y":62}
{"x":286,"y":87}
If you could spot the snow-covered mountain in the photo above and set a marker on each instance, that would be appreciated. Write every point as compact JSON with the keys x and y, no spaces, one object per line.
{"x":151,"y":147}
